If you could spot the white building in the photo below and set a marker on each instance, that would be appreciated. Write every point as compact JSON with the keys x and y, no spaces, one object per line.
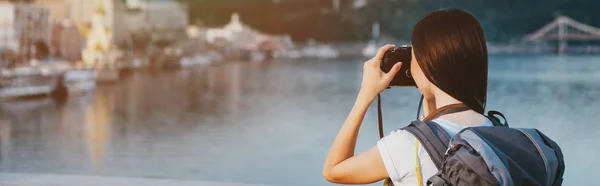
{"x":127,"y":16}
{"x":165,"y":13}
{"x":8,"y":37}
{"x":58,"y":7}
{"x":241,"y":35}
{"x":21,"y":25}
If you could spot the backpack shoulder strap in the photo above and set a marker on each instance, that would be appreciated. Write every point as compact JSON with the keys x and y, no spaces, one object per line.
{"x":433,"y":138}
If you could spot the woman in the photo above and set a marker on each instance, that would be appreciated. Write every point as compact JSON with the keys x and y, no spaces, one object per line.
{"x":449,"y":65}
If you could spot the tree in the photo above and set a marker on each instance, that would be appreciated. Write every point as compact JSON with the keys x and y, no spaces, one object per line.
{"x":302,"y":19}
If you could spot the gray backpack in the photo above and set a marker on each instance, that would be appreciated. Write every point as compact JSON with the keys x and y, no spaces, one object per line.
{"x":496,"y":155}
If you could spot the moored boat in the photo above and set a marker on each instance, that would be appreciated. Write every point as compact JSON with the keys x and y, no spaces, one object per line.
{"x":32,"y":80}
{"x":41,"y":79}
{"x":80,"y":81}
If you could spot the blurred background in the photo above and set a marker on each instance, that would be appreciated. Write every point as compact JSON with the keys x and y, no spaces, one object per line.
{"x":254,"y":91}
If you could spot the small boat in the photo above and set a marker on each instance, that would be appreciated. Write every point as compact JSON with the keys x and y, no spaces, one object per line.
{"x":26,"y":86}
{"x":33,"y":80}
{"x":80,"y":81}
{"x":102,"y":73}
{"x":204,"y":59}
{"x":194,"y":61}
{"x":41,"y":80}
{"x":320,"y":51}
{"x":257,"y":56}
{"x":287,"y":54}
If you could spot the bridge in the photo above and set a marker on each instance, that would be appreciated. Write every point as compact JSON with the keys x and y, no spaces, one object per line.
{"x":564,"y":29}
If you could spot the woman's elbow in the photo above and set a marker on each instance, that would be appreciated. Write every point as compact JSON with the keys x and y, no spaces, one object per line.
{"x":327,"y":175}
{"x":331,"y":177}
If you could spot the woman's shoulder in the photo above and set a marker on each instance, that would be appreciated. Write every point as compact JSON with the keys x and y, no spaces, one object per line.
{"x":398,"y":140}
{"x":399,"y":135}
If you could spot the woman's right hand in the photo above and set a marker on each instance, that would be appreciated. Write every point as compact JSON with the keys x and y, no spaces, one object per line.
{"x":374,"y":80}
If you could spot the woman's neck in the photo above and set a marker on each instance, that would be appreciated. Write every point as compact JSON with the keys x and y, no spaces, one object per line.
{"x":439,"y":99}
{"x":467,"y":118}
{"x":443,"y":99}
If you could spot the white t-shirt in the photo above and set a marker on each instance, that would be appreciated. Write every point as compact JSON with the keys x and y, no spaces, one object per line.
{"x":398,"y":153}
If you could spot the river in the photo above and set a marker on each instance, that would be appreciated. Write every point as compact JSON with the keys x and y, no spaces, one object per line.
{"x":273,"y":123}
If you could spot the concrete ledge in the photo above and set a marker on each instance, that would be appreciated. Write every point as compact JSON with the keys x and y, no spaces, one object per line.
{"x":16,"y":179}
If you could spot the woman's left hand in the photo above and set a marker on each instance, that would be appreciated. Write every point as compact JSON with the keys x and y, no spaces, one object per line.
{"x":374,"y":80}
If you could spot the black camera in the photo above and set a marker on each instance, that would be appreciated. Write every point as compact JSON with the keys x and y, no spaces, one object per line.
{"x":399,"y":54}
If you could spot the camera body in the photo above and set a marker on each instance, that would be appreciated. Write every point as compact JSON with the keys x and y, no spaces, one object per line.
{"x":399,"y":54}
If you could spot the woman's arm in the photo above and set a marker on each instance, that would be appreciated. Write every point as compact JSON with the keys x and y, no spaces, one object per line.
{"x":341,"y":165}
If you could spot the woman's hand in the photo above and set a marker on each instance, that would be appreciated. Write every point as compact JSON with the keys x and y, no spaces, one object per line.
{"x":374,"y":80}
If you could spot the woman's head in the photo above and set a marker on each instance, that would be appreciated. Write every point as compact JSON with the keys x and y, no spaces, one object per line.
{"x":450,"y":54}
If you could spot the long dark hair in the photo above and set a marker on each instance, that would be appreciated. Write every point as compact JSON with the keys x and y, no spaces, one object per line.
{"x":450,"y":48}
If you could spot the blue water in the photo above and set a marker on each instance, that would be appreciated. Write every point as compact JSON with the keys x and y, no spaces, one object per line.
{"x":274,"y":123}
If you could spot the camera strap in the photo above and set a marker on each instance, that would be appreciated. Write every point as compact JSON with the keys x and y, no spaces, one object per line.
{"x":379,"y":117}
